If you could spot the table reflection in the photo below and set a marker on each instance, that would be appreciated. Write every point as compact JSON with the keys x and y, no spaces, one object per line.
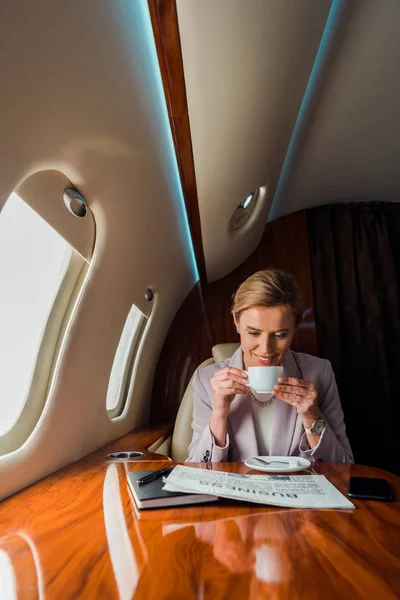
{"x":20,"y":569}
{"x":264,"y":555}
{"x":241,"y":551}
{"x":247,"y":545}
{"x":122,"y":556}
{"x":239,"y":557}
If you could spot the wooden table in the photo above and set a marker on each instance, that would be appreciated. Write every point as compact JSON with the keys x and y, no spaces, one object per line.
{"x":77,"y":535}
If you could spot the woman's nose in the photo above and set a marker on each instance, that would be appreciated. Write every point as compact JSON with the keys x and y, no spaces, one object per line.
{"x":267,"y":346}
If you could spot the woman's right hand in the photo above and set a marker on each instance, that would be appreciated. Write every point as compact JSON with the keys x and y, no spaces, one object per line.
{"x":225,"y":384}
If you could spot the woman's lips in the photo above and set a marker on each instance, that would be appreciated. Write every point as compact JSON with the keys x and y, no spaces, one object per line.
{"x":265,"y":360}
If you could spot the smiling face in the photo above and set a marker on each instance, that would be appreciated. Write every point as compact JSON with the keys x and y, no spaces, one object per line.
{"x":266,"y":333}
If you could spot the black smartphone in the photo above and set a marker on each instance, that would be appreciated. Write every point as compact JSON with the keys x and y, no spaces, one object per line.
{"x":369,"y":489}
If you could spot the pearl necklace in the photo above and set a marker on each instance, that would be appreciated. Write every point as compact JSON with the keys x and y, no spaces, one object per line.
{"x":260,"y":403}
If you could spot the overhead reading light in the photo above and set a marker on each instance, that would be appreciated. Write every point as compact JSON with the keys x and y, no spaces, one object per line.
{"x":243,"y":212}
{"x":75,"y":203}
{"x":247,"y":201}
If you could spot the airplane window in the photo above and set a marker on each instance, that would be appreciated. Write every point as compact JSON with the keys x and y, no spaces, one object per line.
{"x":124,"y":361}
{"x":33,"y":261}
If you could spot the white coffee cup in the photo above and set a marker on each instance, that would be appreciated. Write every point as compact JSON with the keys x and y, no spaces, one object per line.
{"x":263,"y":379}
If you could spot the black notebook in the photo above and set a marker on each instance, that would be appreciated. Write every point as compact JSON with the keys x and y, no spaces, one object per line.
{"x":151,"y":495}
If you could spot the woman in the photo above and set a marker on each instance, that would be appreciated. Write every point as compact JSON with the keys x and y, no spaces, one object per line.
{"x":303,"y":417}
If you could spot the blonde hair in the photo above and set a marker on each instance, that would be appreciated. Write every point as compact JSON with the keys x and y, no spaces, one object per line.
{"x":270,"y":287}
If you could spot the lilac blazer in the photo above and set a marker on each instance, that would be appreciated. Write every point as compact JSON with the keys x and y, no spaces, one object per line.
{"x":288,"y":438}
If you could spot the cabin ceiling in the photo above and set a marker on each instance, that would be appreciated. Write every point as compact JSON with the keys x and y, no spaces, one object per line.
{"x":299,"y":97}
{"x":295,"y":99}
{"x":350,"y":145}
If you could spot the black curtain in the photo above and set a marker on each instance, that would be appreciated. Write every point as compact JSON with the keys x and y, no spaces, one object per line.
{"x":355,"y":265}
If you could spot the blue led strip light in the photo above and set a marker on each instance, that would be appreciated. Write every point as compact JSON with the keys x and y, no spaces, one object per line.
{"x":323,"y":54}
{"x":136,"y":22}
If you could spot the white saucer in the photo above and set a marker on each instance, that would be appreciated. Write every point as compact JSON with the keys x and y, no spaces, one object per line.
{"x":303,"y":463}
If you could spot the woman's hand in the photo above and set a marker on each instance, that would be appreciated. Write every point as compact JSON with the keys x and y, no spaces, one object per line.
{"x":225,"y":384}
{"x":301,"y":394}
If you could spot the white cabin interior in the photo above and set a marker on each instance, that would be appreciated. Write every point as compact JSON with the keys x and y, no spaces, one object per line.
{"x":153,"y":154}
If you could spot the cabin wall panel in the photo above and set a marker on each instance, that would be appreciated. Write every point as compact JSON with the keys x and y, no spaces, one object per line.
{"x":82,"y":95}
{"x":187,"y":344}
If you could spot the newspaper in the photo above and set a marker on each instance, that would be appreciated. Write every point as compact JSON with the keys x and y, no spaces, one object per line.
{"x":297,"y":491}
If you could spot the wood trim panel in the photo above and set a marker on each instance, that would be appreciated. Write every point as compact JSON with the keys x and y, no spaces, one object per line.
{"x":187,"y":344}
{"x":140,"y":440}
{"x":78,"y":534}
{"x":284,"y":245}
{"x":164,"y":19}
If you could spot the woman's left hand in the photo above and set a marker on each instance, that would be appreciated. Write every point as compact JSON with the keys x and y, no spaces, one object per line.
{"x":301,"y":394}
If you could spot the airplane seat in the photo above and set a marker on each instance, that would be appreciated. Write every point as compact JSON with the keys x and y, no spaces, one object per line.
{"x":182,"y":434}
